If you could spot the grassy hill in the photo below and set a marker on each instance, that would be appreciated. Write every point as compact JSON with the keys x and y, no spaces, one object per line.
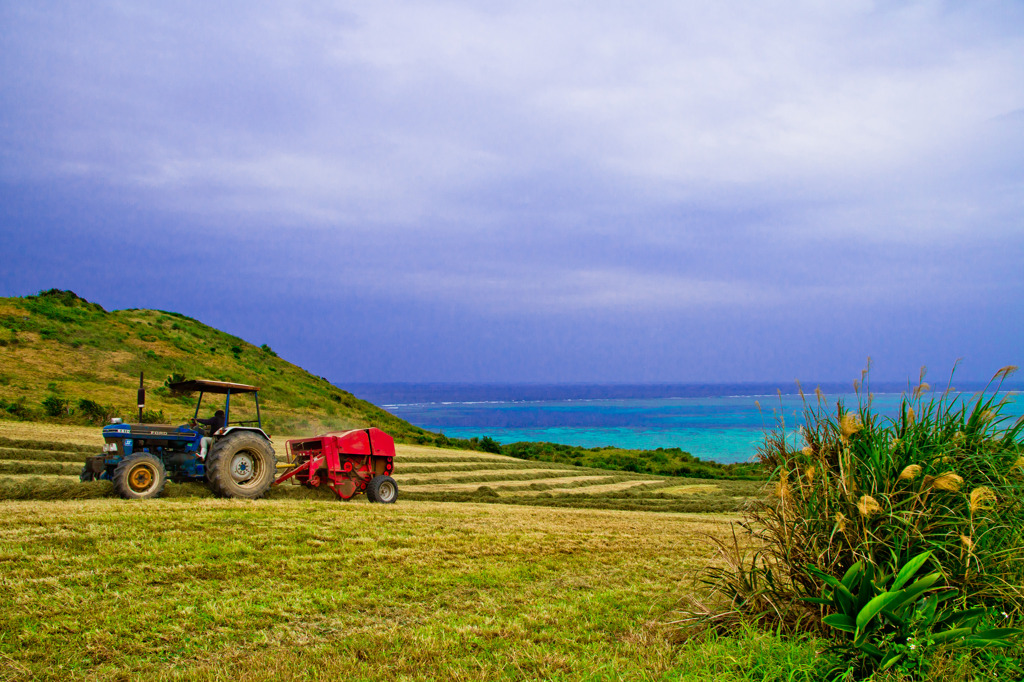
{"x":68,"y":360}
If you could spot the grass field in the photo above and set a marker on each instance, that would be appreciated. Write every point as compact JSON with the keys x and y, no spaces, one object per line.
{"x":191,"y":587}
{"x":283,"y":589}
{"x":41,"y":461}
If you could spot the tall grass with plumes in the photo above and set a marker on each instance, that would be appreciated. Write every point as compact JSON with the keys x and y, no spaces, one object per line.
{"x":945,"y":475}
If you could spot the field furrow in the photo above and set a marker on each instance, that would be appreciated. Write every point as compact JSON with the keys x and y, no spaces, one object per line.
{"x":47,"y":468}
{"x":499,"y":485}
{"x":592,"y":489}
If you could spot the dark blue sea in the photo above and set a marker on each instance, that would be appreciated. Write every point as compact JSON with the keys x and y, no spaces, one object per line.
{"x":722,"y":422}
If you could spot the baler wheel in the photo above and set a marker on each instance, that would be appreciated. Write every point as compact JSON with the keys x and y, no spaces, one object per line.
{"x":382,"y":489}
{"x":241,"y":464}
{"x":139,"y":477}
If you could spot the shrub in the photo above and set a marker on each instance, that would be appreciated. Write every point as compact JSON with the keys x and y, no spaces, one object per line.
{"x":488,"y":444}
{"x":153,"y":417}
{"x":19,"y":409}
{"x":54,"y":406}
{"x":94,"y":412}
{"x":942,"y":479}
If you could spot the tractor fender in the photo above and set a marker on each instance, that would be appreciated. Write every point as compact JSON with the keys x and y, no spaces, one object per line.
{"x":232,"y":429}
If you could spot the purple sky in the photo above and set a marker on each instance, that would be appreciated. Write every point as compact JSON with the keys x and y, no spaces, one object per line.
{"x":531,"y":191}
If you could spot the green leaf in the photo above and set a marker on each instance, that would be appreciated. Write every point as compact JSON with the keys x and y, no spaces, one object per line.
{"x":872,"y":609}
{"x":851,"y":574}
{"x":909,"y":569}
{"x":928,"y":607}
{"x":951,"y":617}
{"x":890,"y":660}
{"x":950,"y":635}
{"x":997,"y":633}
{"x":918,"y":588}
{"x":817,"y":600}
{"x":925,"y":582}
{"x":842,"y":597}
{"x":872,"y":650}
{"x":840,"y":621}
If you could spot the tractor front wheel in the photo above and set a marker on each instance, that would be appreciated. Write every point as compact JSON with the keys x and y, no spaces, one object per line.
{"x":241,"y":464}
{"x":86,"y":475}
{"x":139,"y":476}
{"x":382,"y":489}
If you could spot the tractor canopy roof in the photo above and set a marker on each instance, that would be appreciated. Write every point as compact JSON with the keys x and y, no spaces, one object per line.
{"x":208,"y":386}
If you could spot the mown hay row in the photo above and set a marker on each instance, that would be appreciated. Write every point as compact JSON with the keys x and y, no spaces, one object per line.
{"x":478,"y":474}
{"x":535,"y":483}
{"x":40,"y":488}
{"x":453,"y":458}
{"x":694,"y":489}
{"x":592,"y":489}
{"x":68,"y":488}
{"x":420,"y":452}
{"x":480,"y":477}
{"x":40,"y":468}
{"x":26,"y":454}
{"x":57,"y":446}
{"x":425,"y":468}
{"x":565,"y":500}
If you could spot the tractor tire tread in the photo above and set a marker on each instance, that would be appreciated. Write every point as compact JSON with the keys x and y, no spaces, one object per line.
{"x":373,"y":489}
{"x":120,"y":477}
{"x":218,"y":466}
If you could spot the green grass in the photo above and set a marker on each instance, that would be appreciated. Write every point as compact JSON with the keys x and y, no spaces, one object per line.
{"x":216,"y":589}
{"x":47,"y":470}
{"x":42,"y":336}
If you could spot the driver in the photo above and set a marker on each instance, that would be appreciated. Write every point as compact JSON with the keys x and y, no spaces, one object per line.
{"x":216,"y":422}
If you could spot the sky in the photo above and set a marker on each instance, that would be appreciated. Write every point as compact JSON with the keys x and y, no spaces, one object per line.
{"x":534,"y":191}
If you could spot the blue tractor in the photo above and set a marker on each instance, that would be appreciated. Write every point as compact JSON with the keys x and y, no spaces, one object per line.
{"x":139,"y":458}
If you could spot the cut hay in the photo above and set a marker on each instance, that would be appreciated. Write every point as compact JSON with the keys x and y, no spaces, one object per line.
{"x":37,"y":455}
{"x":8,"y":467}
{"x":39,"y":488}
{"x":482,"y":473}
{"x":698,"y":489}
{"x":592,"y":489}
{"x":542,"y":483}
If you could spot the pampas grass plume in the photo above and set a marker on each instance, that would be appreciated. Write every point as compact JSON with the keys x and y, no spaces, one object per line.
{"x":982,"y":498}
{"x":948,"y":481}
{"x":849,"y":425}
{"x":910,"y":472}
{"x":868,"y":505}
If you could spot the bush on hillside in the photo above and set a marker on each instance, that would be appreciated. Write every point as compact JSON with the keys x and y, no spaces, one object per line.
{"x":93,"y":412}
{"x":56,"y":407}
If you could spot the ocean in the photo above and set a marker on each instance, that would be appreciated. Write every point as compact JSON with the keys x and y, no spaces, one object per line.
{"x":721,"y":422}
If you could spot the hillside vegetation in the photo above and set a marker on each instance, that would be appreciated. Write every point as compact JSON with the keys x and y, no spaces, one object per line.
{"x":66,"y":359}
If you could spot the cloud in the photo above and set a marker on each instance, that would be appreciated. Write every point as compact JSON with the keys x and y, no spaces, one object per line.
{"x":650,"y":162}
{"x":393,"y":112}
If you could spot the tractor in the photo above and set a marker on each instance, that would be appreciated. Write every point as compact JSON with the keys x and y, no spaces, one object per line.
{"x":139,"y":458}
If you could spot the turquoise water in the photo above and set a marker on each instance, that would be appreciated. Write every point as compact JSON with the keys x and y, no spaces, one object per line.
{"x":725,"y":428}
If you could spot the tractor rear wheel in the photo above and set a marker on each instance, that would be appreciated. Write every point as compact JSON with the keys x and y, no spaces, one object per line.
{"x":139,"y":476}
{"x":382,"y":489}
{"x":241,"y":464}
